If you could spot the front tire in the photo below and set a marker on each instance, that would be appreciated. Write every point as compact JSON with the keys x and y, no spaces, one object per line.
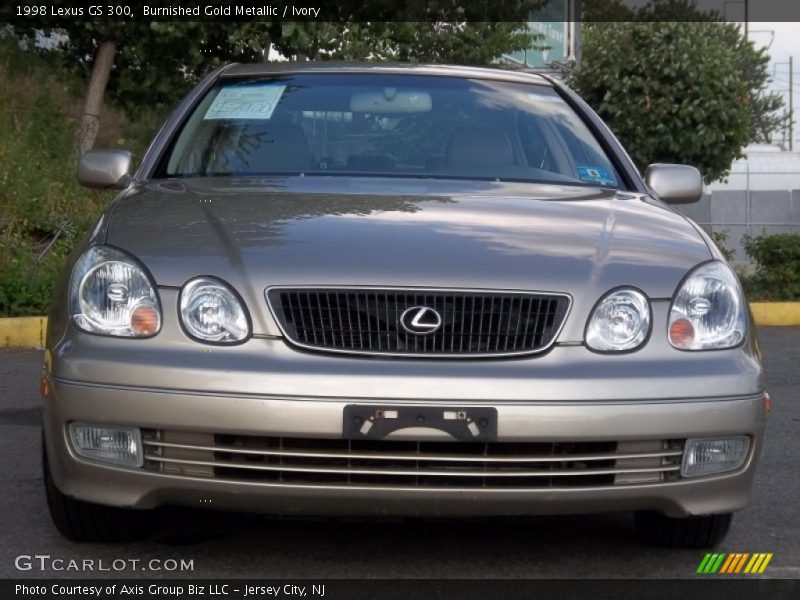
{"x":705,"y":531}
{"x":87,"y":522}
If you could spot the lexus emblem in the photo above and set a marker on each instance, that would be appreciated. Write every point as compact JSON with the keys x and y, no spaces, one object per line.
{"x":420,"y":320}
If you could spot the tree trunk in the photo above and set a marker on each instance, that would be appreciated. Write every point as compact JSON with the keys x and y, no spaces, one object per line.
{"x":89,"y":122}
{"x":265,"y":50}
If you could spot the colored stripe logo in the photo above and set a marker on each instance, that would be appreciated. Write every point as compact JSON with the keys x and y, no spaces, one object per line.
{"x":735,"y":562}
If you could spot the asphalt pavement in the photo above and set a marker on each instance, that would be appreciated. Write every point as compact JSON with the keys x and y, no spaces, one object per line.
{"x":232,"y":545}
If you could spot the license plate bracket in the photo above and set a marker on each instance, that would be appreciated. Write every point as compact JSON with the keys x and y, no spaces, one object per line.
{"x":374,"y":422}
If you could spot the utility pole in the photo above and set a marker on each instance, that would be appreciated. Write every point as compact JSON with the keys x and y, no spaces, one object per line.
{"x":791,"y":103}
{"x":746,"y":18}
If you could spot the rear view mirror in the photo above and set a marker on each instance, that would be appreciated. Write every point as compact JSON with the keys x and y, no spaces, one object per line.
{"x":390,"y":100}
{"x":105,"y":169}
{"x":675,"y":184}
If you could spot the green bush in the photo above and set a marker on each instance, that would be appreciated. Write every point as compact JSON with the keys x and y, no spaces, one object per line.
{"x":674,"y":92}
{"x":43,"y":210}
{"x":777,"y":259}
{"x":721,"y":240}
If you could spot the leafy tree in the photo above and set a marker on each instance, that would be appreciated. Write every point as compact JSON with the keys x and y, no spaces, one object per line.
{"x":147,"y":66}
{"x":471,"y":43}
{"x":654,"y":10}
{"x":675,"y":84}
{"x":675,"y":10}
{"x":139,"y":66}
{"x":606,"y":11}
{"x":766,"y":108}
{"x":676,"y":92}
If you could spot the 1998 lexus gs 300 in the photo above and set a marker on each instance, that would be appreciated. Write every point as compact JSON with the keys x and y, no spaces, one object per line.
{"x":397,"y":290}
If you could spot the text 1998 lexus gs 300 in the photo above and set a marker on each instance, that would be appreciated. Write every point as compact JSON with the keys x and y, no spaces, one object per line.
{"x":397,"y":290}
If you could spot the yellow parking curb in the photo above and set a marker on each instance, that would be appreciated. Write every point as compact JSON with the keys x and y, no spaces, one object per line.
{"x":776,"y":313}
{"x":29,"y":332}
{"x":22,"y":332}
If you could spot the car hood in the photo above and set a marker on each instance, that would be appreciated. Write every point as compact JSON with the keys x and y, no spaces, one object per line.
{"x":255,"y":233}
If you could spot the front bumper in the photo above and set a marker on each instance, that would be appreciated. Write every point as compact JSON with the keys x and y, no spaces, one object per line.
{"x":627,"y":421}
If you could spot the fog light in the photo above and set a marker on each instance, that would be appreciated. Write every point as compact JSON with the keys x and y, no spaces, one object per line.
{"x":117,"y":445}
{"x":709,"y":456}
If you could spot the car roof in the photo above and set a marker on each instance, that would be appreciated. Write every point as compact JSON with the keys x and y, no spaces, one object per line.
{"x":287,"y":67}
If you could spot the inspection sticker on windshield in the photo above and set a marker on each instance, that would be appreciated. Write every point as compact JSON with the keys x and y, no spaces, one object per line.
{"x":597,"y":175}
{"x":245,"y":102}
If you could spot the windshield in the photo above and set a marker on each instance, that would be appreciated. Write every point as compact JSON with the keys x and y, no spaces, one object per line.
{"x":388,"y":125}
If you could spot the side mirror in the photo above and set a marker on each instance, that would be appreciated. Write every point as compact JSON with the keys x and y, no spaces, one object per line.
{"x":105,"y":169}
{"x":675,"y":184}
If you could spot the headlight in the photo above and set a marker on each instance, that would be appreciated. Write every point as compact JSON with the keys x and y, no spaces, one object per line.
{"x":212,"y":312}
{"x":619,"y":322}
{"x":708,"y":311}
{"x":111,"y":294}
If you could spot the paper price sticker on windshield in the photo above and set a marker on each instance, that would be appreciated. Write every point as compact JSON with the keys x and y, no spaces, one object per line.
{"x":245,"y":102}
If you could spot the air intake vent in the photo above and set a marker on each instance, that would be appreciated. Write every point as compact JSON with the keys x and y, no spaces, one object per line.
{"x":414,"y":322}
{"x":464,"y":465}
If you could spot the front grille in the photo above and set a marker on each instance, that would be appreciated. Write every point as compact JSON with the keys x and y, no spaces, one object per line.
{"x":367,"y":320}
{"x":386,"y":463}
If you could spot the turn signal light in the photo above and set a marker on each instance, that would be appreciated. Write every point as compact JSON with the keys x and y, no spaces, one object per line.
{"x":681,"y":333}
{"x":145,"y":320}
